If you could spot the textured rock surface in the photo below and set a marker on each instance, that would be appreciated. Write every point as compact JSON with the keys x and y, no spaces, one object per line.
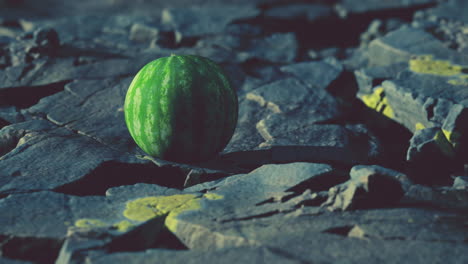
{"x":351,"y":143}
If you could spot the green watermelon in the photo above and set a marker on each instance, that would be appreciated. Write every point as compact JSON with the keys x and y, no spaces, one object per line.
{"x":181,"y":108}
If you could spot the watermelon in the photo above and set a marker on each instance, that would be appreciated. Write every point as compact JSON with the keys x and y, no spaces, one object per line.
{"x":181,"y":108}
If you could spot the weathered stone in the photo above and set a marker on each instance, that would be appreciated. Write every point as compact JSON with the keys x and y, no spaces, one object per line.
{"x":229,"y":255}
{"x":129,"y":192}
{"x":365,"y":190}
{"x":368,"y":78}
{"x":13,"y":261}
{"x":94,"y":108}
{"x":318,"y":74}
{"x":196,"y":21}
{"x":431,"y":156}
{"x":455,"y":128}
{"x":143,"y":33}
{"x":451,"y":10}
{"x":367,"y":170}
{"x":398,"y":46}
{"x":348,"y":7}
{"x":276,"y":48}
{"x":460,"y":182}
{"x":421,"y":96}
{"x":441,"y":197}
{"x":236,"y":197}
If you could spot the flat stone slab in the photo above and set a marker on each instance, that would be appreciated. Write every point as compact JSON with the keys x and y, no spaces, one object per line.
{"x":400,"y":45}
{"x":196,"y":21}
{"x":359,"y":7}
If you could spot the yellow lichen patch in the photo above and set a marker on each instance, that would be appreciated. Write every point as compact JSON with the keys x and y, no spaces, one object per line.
{"x":146,"y":208}
{"x":460,"y":81}
{"x":172,"y":221}
{"x":123,"y":226}
{"x":213,"y":196}
{"x":452,"y":137}
{"x":419,"y":126}
{"x":427,"y":65}
{"x":444,"y":144}
{"x":379,"y":102}
{"x":89,"y":223}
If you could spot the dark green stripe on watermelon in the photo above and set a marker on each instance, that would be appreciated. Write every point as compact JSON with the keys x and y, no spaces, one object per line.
{"x":181,"y":108}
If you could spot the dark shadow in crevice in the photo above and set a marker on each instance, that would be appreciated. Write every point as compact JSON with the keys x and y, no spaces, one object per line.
{"x":321,"y":182}
{"x":167,"y":240}
{"x":37,"y":250}
{"x":332,"y":31}
{"x":26,"y":96}
{"x":152,"y":234}
{"x":112,"y":174}
{"x":341,"y":230}
{"x":3,"y":123}
{"x":251,"y":217}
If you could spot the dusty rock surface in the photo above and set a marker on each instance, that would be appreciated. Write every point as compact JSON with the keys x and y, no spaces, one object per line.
{"x":350,"y":147}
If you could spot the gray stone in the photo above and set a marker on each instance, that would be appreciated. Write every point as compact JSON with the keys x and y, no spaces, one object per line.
{"x":195,"y":21}
{"x":367,"y":170}
{"x":318,"y":75}
{"x":455,"y":128}
{"x":451,"y":10}
{"x":276,"y":48}
{"x":358,"y":7}
{"x":13,"y":261}
{"x":416,"y":100}
{"x":83,"y":242}
{"x":431,"y":156}
{"x":398,"y":46}
{"x":365,"y":190}
{"x":93,"y":108}
{"x":460,"y":182}
{"x":368,"y":78}
{"x":229,"y":255}
{"x":92,"y":222}
{"x":439,"y":197}
{"x":129,"y":192}
{"x":310,"y":12}
{"x":10,"y":114}
{"x":143,"y":33}
{"x":236,"y":197}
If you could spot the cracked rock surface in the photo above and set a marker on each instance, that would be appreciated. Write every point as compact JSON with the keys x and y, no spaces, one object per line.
{"x":351,"y":144}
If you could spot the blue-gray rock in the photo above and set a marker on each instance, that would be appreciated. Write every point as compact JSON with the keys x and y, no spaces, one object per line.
{"x":365,"y":190}
{"x":288,"y":122}
{"x":229,"y":255}
{"x":460,"y":182}
{"x":276,"y":48}
{"x":349,"y":7}
{"x":451,"y":10}
{"x":366,"y":170}
{"x":316,"y":74}
{"x":421,"y":100}
{"x":368,"y":78}
{"x":431,"y":156}
{"x":455,"y":128}
{"x":398,"y":46}
{"x":195,"y":21}
{"x":438,"y":197}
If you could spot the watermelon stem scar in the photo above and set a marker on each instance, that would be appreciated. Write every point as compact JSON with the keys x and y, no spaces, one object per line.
{"x":181,"y":108}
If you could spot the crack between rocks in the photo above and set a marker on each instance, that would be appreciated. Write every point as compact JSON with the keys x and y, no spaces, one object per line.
{"x":287,"y":255}
{"x":77,"y":132}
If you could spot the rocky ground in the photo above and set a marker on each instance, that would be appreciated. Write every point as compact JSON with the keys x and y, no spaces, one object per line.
{"x":351,"y":144}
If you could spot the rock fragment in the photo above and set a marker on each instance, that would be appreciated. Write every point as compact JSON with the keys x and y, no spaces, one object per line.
{"x":431,"y":156}
{"x":143,"y":33}
{"x":367,"y":189}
